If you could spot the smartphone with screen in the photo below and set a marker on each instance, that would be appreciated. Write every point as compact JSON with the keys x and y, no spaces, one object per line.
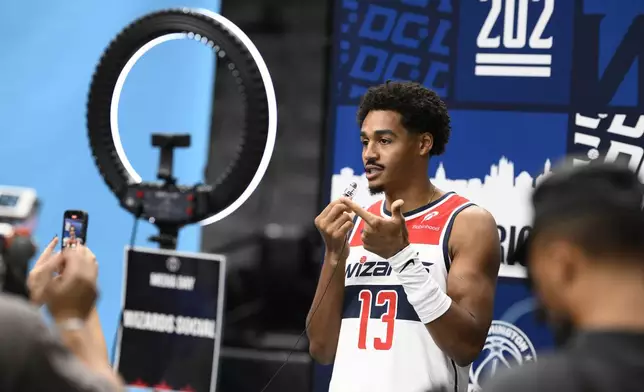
{"x":74,"y":228}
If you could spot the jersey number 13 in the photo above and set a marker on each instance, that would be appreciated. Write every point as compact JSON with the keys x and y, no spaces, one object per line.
{"x":388,"y":298}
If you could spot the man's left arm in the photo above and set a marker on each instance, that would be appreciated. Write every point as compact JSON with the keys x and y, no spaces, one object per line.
{"x":475,"y":252}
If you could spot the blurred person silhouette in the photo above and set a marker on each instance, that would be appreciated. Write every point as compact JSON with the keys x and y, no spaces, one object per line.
{"x":585,"y":257}
{"x":73,"y":356}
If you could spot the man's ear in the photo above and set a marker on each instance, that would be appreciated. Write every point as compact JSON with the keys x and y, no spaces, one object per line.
{"x":425,"y":142}
{"x":565,"y":270}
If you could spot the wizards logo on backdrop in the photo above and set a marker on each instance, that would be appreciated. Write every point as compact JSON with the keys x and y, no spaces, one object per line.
{"x":514,"y":337}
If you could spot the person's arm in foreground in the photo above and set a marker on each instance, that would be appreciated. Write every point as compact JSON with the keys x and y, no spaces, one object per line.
{"x":459,"y":319}
{"x":67,"y":369}
{"x":46,"y":266}
{"x":93,"y":322}
{"x":70,"y":297}
{"x":325,"y":316}
{"x":95,"y":330}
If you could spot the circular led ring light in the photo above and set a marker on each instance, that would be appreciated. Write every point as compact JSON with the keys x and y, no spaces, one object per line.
{"x":247,"y":66}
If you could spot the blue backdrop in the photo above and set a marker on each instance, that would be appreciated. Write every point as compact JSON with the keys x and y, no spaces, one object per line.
{"x":49,"y":52}
{"x":524,"y":87}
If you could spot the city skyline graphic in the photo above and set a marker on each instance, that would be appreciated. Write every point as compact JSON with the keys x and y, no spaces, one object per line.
{"x":503,"y":192}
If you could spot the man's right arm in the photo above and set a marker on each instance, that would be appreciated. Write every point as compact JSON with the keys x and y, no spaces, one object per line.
{"x":325,"y":315}
{"x":334,"y":223}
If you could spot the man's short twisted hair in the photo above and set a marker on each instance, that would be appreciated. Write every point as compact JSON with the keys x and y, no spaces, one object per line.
{"x":421,"y":109}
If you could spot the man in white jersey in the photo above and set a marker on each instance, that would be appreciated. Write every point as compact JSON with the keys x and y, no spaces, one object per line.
{"x":411,"y":304}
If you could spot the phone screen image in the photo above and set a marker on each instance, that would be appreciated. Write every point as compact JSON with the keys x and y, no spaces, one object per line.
{"x":73,"y":232}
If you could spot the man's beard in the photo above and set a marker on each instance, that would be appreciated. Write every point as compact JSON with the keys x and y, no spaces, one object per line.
{"x":376,"y":190}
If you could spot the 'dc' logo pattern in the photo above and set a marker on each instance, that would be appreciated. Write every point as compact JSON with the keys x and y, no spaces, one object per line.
{"x":526,"y":82}
{"x":408,"y":40}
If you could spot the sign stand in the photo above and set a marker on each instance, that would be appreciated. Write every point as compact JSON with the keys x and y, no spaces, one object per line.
{"x":170,"y":331}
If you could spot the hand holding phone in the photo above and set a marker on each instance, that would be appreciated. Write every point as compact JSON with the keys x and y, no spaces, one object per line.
{"x":74,"y":228}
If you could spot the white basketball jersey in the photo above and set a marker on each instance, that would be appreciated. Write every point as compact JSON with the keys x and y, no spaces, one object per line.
{"x":383,"y":346}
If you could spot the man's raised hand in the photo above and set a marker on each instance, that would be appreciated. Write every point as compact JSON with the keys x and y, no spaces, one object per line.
{"x":73,"y":292}
{"x":334,"y":223}
{"x":382,"y":236}
{"x":43,"y":271}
